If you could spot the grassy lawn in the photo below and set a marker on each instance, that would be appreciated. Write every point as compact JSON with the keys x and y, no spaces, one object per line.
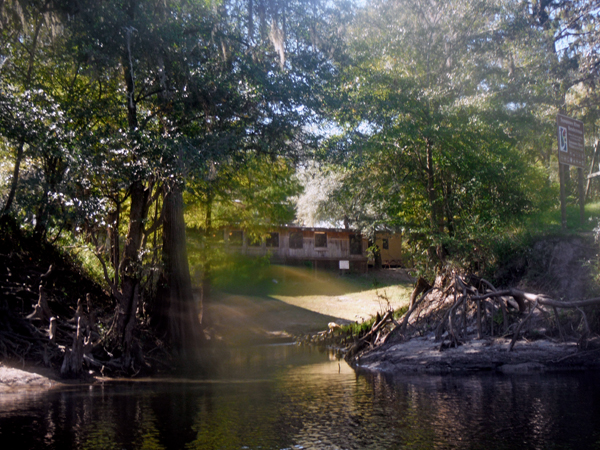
{"x":291,"y":300}
{"x":351,"y":297}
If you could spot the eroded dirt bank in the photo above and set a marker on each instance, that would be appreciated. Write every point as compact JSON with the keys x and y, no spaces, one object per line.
{"x":548,"y":315}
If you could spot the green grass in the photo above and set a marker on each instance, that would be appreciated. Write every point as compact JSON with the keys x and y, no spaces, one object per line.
{"x":549,"y":221}
{"x":360,"y":328}
{"x":350,"y":298}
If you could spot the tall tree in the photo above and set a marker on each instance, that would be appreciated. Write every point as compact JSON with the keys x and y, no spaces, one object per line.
{"x":193,"y":85}
{"x":427,"y":139}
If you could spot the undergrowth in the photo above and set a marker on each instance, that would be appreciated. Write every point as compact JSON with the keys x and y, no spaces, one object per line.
{"x":357,"y":329}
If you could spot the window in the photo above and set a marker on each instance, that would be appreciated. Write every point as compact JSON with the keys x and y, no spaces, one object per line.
{"x":236,"y":238}
{"x":296,"y":239}
{"x":355,"y":244}
{"x":385,"y":244}
{"x":320,"y":240}
{"x":273,"y":240}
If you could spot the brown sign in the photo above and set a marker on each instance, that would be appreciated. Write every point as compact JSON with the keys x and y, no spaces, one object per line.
{"x":570,"y":141}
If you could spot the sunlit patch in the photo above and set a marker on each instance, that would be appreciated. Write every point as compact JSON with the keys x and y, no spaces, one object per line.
{"x":302,"y":301}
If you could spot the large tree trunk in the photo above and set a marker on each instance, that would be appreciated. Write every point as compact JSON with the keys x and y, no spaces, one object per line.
{"x":129,"y":268}
{"x":183,"y":326}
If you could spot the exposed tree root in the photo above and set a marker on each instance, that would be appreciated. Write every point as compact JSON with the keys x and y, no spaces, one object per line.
{"x":460,"y":308}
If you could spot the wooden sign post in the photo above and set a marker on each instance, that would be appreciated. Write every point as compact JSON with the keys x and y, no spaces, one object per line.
{"x":570,"y":153}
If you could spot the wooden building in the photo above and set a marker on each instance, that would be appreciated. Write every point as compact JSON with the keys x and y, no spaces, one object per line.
{"x":321,"y":248}
{"x":390,"y":247}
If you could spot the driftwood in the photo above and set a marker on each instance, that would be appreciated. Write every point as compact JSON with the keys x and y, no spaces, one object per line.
{"x":421,"y":286}
{"x":400,"y":330}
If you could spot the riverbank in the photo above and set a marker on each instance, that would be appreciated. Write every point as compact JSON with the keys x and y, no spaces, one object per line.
{"x":13,"y":379}
{"x":298,"y":304}
{"x":423,"y":355}
{"x":464,"y":324}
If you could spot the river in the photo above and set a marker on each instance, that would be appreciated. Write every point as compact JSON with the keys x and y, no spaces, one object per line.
{"x":291,"y":397}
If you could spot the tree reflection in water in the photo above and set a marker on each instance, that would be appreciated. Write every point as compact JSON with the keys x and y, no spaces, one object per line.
{"x":289,"y":397}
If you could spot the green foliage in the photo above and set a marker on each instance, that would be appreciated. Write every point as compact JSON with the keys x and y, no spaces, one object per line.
{"x":436,"y":118}
{"x":426,"y":150}
{"x":83,"y":254}
{"x":357,"y":329}
{"x":447,"y":130}
{"x":105,"y":106}
{"x":502,"y":254}
{"x":253,"y":195}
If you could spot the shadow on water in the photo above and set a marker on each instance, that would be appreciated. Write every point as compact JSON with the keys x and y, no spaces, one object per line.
{"x":284,"y":397}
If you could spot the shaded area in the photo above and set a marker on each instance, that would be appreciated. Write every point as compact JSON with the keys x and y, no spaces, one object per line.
{"x":294,"y":301}
{"x":35,"y":274}
{"x":238,"y":319}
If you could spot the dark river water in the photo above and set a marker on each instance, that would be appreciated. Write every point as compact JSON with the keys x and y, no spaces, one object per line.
{"x":289,"y":397}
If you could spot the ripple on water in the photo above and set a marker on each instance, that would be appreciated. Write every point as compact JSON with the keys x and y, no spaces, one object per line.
{"x":294,"y":398}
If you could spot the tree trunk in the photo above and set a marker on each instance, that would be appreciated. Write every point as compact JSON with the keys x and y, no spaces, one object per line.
{"x":130,"y":265}
{"x":431,"y":194}
{"x":183,"y":327}
{"x":15,"y":179}
{"x":130,"y":268}
{"x":113,"y":236}
{"x":377,"y":263}
{"x":436,"y":252}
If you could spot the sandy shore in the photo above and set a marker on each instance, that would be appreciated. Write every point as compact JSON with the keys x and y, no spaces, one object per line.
{"x":12,"y":379}
{"x":422,"y":355}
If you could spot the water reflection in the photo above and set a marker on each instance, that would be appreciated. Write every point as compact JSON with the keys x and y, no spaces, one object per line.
{"x":284,"y":397}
